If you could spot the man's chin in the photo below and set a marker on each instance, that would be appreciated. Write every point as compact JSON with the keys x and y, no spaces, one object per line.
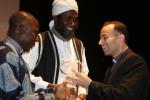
{"x":69,"y":37}
{"x":28,"y":49}
{"x":66,"y":38}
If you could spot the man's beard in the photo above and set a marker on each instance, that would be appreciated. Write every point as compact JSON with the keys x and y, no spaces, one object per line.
{"x":68,"y":36}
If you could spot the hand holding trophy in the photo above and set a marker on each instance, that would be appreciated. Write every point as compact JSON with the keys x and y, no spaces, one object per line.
{"x":67,"y":67}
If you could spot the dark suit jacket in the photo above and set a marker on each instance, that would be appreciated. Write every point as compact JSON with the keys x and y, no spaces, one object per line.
{"x":127,"y":81}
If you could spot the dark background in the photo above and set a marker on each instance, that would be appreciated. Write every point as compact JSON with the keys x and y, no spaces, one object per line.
{"x":92,"y":14}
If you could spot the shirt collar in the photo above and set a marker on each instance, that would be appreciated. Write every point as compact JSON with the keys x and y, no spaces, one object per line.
{"x":115,"y":60}
{"x":14,"y":43}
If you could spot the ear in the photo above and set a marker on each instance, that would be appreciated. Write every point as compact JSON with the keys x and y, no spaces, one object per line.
{"x":21,"y":28}
{"x":121,"y":38}
{"x":54,"y":18}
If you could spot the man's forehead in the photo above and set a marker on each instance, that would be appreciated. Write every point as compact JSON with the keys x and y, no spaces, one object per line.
{"x":108,"y":27}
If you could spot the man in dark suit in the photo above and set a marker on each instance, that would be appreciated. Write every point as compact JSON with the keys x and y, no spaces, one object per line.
{"x":127,"y":78}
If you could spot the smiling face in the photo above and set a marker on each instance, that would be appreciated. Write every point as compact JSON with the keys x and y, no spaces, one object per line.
{"x":66,"y":23}
{"x":109,"y":40}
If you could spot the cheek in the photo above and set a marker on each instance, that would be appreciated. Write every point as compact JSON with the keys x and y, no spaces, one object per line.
{"x":113,"y":45}
{"x":28,"y":40}
{"x":111,"y":41}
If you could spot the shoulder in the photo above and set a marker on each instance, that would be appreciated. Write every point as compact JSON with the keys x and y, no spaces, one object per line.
{"x":6,"y":54}
{"x":134,"y":60}
{"x":3,"y":50}
{"x":77,"y":39}
{"x":134,"y":56}
{"x":44,"y":35}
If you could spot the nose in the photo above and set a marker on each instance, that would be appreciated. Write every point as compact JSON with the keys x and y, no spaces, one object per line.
{"x":73,"y":23}
{"x":100,"y":42}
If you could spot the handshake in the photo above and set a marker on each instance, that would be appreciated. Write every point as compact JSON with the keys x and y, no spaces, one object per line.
{"x":60,"y":91}
{"x":65,"y":92}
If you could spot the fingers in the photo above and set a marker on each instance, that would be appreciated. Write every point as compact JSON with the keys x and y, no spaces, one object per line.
{"x":78,"y":74}
{"x":40,"y":90}
{"x":80,"y":79}
{"x":73,"y":79}
{"x":69,"y":78}
{"x":51,"y":85}
{"x":64,"y":83}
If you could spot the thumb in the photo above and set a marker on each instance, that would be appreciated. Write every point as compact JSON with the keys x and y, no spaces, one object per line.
{"x":74,"y":71}
{"x":64,"y":83}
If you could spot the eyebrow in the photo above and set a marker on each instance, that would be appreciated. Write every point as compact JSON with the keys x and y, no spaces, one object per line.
{"x":102,"y":35}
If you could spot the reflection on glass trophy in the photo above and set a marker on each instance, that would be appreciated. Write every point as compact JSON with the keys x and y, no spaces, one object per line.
{"x":66,"y":68}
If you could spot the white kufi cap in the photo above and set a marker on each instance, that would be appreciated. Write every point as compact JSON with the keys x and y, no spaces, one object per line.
{"x":60,"y":6}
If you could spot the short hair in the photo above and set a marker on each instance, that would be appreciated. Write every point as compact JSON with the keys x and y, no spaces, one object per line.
{"x":16,"y":19}
{"x":120,"y":27}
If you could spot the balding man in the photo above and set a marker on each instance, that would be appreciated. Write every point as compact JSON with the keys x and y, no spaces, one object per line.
{"x":127,"y":78}
{"x":14,"y":77}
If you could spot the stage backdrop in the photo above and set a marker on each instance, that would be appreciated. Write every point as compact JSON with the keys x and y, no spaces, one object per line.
{"x":7,"y":7}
